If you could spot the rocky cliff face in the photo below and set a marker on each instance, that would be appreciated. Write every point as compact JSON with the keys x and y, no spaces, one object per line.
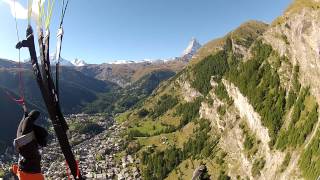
{"x":273,"y":158}
{"x":297,"y":36}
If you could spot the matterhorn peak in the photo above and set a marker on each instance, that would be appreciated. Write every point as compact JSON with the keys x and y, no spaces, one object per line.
{"x":192,"y":48}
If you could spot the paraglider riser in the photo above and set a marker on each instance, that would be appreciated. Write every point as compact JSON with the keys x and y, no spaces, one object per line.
{"x":50,"y":97}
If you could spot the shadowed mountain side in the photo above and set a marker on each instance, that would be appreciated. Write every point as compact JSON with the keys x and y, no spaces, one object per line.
{"x":76,"y":88}
{"x":11,"y":114}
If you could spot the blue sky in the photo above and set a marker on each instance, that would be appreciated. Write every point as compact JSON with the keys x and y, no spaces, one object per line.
{"x":106,"y":30}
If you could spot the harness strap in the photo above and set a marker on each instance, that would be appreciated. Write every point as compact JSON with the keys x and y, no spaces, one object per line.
{"x":23,"y":140}
{"x":67,"y":170}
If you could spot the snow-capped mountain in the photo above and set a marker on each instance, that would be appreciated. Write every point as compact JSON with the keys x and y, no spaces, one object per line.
{"x":192,"y":49}
{"x":153,"y":61}
{"x":123,"y":62}
{"x":78,"y":62}
{"x":187,"y":54}
{"x":63,"y":62}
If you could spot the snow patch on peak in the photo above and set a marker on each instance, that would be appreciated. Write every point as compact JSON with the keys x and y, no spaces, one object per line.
{"x":151,"y":61}
{"x":62,"y":61}
{"x":122,"y":62}
{"x":53,"y":61}
{"x":78,"y":62}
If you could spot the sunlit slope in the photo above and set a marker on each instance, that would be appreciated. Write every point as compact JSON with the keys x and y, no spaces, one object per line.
{"x":246,"y":107}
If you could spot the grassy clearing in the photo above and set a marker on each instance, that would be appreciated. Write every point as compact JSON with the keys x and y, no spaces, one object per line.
{"x":123,"y":117}
{"x":178,"y":138}
{"x":149,"y":127}
{"x":170,"y":119}
{"x":187,"y":167}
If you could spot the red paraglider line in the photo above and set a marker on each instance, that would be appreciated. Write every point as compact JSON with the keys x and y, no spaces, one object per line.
{"x":20,"y":101}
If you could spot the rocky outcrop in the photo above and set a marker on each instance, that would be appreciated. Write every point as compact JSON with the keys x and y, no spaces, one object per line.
{"x":246,"y":111}
{"x":189,"y":93}
{"x":210,"y":112}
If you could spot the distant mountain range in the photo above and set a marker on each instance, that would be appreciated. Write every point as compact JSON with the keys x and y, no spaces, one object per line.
{"x":126,"y":72}
{"x":187,"y":54}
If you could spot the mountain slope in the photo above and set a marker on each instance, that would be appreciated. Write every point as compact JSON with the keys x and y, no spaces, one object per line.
{"x":247,"y":107}
{"x":243,"y":35}
{"x":173,"y":113}
{"x":123,"y":99}
{"x":4,"y":63}
{"x":296,"y":35}
{"x":76,"y":88}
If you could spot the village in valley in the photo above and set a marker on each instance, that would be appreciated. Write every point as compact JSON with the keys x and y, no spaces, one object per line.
{"x":99,"y":149}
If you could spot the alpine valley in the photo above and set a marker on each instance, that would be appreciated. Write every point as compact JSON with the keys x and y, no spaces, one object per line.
{"x":243,"y":106}
{"x":89,"y":88}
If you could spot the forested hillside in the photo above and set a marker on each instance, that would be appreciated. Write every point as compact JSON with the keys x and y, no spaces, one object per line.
{"x":242,"y":108}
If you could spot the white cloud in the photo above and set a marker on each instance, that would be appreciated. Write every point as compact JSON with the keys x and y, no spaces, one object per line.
{"x":21,"y":12}
{"x":17,"y":9}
